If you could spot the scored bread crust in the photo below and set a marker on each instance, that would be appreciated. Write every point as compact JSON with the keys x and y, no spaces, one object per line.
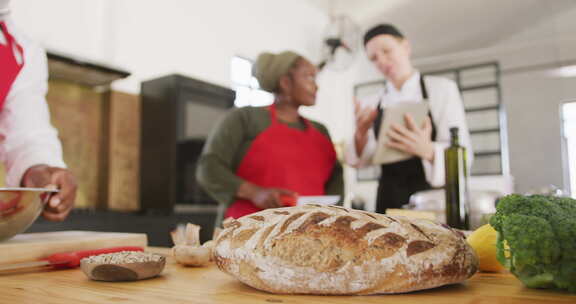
{"x":315,"y":249}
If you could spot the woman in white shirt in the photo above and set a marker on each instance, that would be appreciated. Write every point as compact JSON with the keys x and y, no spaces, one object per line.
{"x":390,"y":52}
{"x":29,"y":145}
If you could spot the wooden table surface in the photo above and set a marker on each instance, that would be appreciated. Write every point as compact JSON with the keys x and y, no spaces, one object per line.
{"x":208,"y":285}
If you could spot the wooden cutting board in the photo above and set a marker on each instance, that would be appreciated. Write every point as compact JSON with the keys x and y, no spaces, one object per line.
{"x":208,"y":285}
{"x":33,"y":246}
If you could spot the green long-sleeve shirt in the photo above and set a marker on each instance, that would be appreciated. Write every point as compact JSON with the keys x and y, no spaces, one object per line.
{"x":228,"y":144}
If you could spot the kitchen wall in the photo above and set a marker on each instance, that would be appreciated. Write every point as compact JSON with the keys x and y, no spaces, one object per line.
{"x":151,"y":38}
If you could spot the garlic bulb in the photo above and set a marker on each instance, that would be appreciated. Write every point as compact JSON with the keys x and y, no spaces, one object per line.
{"x":187,"y":250}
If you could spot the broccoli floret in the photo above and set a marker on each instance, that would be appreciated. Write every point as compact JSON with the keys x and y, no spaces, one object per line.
{"x":537,"y":239}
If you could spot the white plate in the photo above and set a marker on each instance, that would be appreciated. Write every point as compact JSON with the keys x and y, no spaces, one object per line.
{"x":320,"y":199}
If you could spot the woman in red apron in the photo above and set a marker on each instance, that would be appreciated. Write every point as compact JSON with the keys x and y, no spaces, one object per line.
{"x":274,"y":156}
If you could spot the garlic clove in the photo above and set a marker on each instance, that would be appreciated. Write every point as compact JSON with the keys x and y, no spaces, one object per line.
{"x":191,"y":255}
{"x":210,"y":245}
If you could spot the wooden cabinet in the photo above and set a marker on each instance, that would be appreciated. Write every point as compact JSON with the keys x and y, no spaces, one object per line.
{"x":82,"y":108}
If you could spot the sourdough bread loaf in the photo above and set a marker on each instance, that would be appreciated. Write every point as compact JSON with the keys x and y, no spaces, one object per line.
{"x":315,"y":249}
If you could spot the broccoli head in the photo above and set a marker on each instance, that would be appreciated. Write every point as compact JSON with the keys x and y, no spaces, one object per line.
{"x":537,"y":239}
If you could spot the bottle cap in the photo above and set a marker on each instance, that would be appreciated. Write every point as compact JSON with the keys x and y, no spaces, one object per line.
{"x":454,"y":133}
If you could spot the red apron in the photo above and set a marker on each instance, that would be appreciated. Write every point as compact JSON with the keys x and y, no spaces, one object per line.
{"x":288,"y":158}
{"x":9,"y":66}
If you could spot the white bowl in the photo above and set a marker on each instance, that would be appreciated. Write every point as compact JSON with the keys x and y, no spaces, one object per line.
{"x":319,"y":199}
{"x":19,"y":208}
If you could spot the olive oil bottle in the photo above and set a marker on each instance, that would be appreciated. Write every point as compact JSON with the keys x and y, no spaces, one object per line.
{"x":457,"y":198}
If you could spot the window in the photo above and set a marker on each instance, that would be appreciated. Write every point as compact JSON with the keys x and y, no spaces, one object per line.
{"x":569,"y":142}
{"x":248,"y":92}
{"x":479,"y":85}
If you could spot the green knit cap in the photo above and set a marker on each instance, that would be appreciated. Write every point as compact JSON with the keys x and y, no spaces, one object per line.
{"x":270,"y":67}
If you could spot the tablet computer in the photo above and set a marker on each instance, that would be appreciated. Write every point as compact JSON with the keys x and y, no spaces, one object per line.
{"x":395,"y":115}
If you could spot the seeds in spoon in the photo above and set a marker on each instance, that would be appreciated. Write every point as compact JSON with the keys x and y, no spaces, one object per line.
{"x":123,"y":257}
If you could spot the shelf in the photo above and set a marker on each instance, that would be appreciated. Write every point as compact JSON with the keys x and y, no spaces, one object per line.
{"x":480,"y":109}
{"x":487,"y":153}
{"x":486,"y":173}
{"x":82,"y":71}
{"x":481,"y":131}
{"x":464,"y":68}
{"x":480,"y":87}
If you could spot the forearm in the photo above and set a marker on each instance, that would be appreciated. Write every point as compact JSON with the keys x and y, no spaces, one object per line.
{"x":25,"y":152}
{"x":247,"y":190}
{"x":218,"y":180}
{"x":363,"y":158}
{"x":360,"y":140}
{"x":28,"y":144}
{"x":216,"y":171}
{"x":434,"y":169}
{"x":335,"y":185}
{"x":429,"y":152}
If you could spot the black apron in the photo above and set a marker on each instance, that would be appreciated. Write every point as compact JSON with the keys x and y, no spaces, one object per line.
{"x":398,"y":181}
